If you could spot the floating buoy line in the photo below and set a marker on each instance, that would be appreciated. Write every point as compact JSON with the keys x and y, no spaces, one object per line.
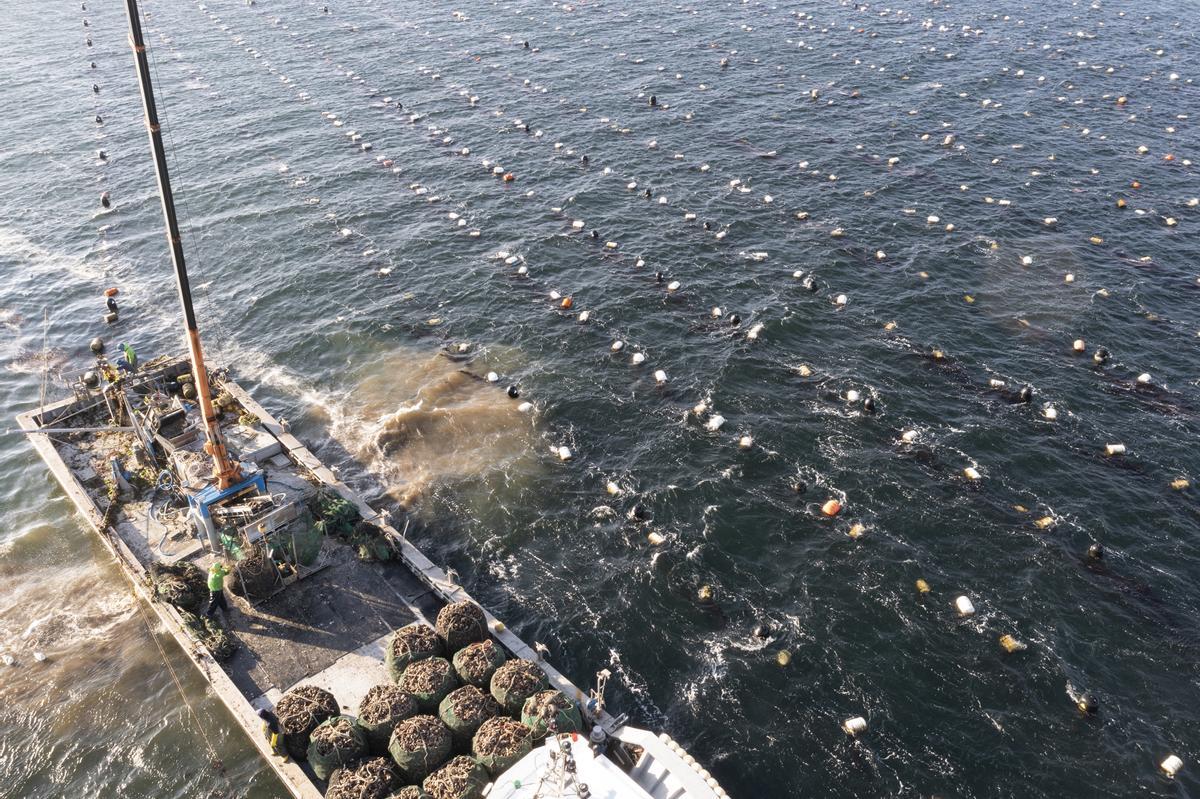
{"x":618,"y":340}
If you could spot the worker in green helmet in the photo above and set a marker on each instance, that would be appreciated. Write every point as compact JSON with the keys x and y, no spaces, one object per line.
{"x":216,"y":588}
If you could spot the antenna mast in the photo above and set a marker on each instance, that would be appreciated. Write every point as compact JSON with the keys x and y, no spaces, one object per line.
{"x":225,"y":470}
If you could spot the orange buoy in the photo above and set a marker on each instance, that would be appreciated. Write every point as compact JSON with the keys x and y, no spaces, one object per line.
{"x":567,"y":303}
{"x":1168,"y":157}
{"x":831,"y":508}
{"x":508,"y":177}
{"x":111,"y":292}
{"x":1135,"y":184}
{"x":1120,"y":202}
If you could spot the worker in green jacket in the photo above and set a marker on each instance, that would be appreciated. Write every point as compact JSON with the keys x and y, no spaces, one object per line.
{"x":216,"y":588}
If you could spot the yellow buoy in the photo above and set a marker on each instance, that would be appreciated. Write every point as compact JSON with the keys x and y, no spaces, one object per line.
{"x":1044,"y":523}
{"x":1010,"y":644}
{"x":1180,"y":483}
{"x":922,"y":586}
{"x":784,"y":657}
{"x":856,"y":530}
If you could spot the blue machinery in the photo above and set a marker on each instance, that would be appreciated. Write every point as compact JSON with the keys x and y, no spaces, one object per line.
{"x":201,"y":503}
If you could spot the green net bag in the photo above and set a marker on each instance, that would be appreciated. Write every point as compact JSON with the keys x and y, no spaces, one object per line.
{"x":500,"y":743}
{"x":335,"y":742}
{"x":408,"y":645}
{"x":464,"y":710}
{"x":383,"y":707}
{"x":461,"y":623}
{"x":516,"y":681}
{"x":419,"y":745}
{"x":300,"y":711}
{"x":429,"y":681}
{"x":476,"y":663}
{"x":461,"y":778}
{"x":543,"y":706}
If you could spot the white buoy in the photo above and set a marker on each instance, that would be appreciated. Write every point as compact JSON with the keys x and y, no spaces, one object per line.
{"x":965,"y":608}
{"x":612,"y":488}
{"x":714,"y":423}
{"x":1114,"y":449}
{"x":638,"y":358}
{"x":40,"y":657}
{"x":1144,"y":378}
{"x":1027,"y":260}
{"x":971,"y":473}
{"x":752,"y":334}
{"x":1079,"y":345}
{"x":1050,"y":413}
{"x":855,"y":726}
{"x":525,"y":407}
{"x":564,"y":453}
{"x":1171,"y":765}
{"x":716,"y":312}
{"x":852,"y":396}
{"x":880,"y":255}
{"x":841,"y":299}
{"x":618,"y":345}
{"x":996,"y":383}
{"x":492,"y":377}
{"x":673,"y":285}
{"x":660,"y":376}
{"x":584,"y":316}
{"x":9,"y":660}
{"x":745,"y":442}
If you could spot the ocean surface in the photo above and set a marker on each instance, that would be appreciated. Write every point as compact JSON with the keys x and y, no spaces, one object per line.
{"x":946,"y":173}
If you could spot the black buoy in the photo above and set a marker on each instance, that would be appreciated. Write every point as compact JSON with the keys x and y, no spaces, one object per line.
{"x":653,"y":100}
{"x":525,"y":128}
{"x":103,"y":156}
{"x":514,"y":392}
{"x":646,"y":194}
{"x":735,"y":320}
{"x":708,"y":225}
{"x":658,"y":277}
{"x":638,"y":512}
{"x":595,"y":234}
{"x":90,"y":379}
{"x":525,"y":45}
{"x":93,"y":65}
{"x":1100,"y":356}
{"x":97,"y":345}
{"x":584,"y":160}
{"x":808,"y":284}
{"x":1025,"y":394}
{"x":111,"y":302}
{"x":799,"y":486}
{"x":1087,"y":704}
{"x":869,"y":405}
{"x":105,"y":200}
{"x":89,"y":42}
{"x":99,"y":119}
{"x":95,"y":88}
{"x":1095,"y":552}
{"x":762,"y":631}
